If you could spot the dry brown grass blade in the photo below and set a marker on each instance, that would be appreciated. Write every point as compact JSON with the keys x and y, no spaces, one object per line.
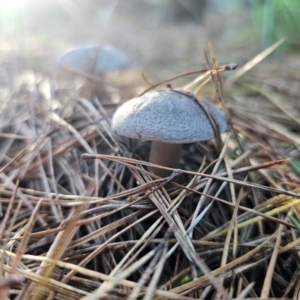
{"x":13,"y":160}
{"x":104,"y":230}
{"x":179,"y":231}
{"x":158,"y":270}
{"x":146,"y":274}
{"x":219,"y":93}
{"x":25,"y":238}
{"x":108,"y":286}
{"x":217,"y":78}
{"x":265,"y":174}
{"x":204,"y":279}
{"x":72,"y":200}
{"x":56,"y":250}
{"x":256,"y":192}
{"x":184,"y":242}
{"x":90,"y":273}
{"x":290,"y":246}
{"x":99,"y":249}
{"x":129,"y":161}
{"x":273,"y":202}
{"x":83,"y":142}
{"x":277,"y":100}
{"x":123,"y":219}
{"x":13,"y":278}
{"x":51,"y":284}
{"x":10,"y":184}
{"x":203,"y":198}
{"x":283,"y":131}
{"x":257,"y":219}
{"x":252,"y":63}
{"x":180,"y":236}
{"x":207,"y":70}
{"x":269,"y":275}
{"x":65,"y":199}
{"x":267,"y":216}
{"x":143,"y":240}
{"x":243,"y":294}
{"x":66,"y":145}
{"x":233,"y":226}
{"x":8,"y":212}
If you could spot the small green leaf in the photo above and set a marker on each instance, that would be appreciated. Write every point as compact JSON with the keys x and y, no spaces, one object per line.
{"x":295,"y":222}
{"x":295,"y":166}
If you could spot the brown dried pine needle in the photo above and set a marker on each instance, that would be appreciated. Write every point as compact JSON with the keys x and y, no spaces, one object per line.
{"x":83,"y":217}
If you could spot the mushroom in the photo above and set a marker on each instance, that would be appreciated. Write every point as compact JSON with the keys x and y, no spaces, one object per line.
{"x":168,"y":118}
{"x":93,"y":62}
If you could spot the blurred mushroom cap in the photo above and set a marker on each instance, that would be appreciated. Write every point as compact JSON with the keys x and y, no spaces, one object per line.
{"x":94,"y":59}
{"x":167,"y":116}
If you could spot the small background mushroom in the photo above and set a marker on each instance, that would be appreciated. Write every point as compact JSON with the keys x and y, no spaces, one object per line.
{"x":93,"y":62}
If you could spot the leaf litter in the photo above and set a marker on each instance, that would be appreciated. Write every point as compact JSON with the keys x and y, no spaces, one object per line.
{"x":83,"y":218}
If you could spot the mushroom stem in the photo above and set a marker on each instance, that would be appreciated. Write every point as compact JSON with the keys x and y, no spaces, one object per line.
{"x":166,"y":155}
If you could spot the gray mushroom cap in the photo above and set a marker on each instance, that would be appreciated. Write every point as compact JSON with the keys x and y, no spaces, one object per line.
{"x":167,"y":116}
{"x":94,"y":59}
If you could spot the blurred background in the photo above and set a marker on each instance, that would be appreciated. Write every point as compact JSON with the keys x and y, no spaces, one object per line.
{"x":161,"y":37}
